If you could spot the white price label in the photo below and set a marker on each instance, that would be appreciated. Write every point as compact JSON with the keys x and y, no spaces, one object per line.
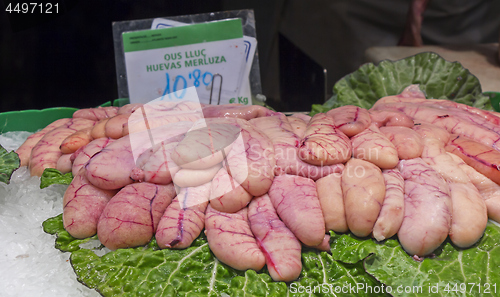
{"x":164,"y":61}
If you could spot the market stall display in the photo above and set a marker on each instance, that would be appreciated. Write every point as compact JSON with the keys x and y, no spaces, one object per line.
{"x":288,"y":189}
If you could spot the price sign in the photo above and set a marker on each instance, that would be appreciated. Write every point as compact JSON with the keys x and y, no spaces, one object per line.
{"x":162,"y":62}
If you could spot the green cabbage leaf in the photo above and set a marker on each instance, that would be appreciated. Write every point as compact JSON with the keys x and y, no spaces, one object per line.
{"x":51,"y":176}
{"x":451,"y":271}
{"x":9,"y":162}
{"x":195,"y":271}
{"x":355,"y":267}
{"x":438,"y":79}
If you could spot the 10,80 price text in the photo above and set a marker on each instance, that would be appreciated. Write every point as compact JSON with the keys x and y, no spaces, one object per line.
{"x":181,"y":83}
{"x":32,"y":8}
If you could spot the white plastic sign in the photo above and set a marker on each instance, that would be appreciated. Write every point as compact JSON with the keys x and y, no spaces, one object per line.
{"x":161,"y":62}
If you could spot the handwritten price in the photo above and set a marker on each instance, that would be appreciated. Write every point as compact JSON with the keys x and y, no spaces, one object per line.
{"x":181,"y":83}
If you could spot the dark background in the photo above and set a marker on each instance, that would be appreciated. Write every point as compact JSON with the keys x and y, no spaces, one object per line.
{"x":68,"y":60}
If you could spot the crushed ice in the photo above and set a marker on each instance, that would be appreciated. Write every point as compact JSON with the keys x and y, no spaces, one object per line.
{"x":29,"y":263}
